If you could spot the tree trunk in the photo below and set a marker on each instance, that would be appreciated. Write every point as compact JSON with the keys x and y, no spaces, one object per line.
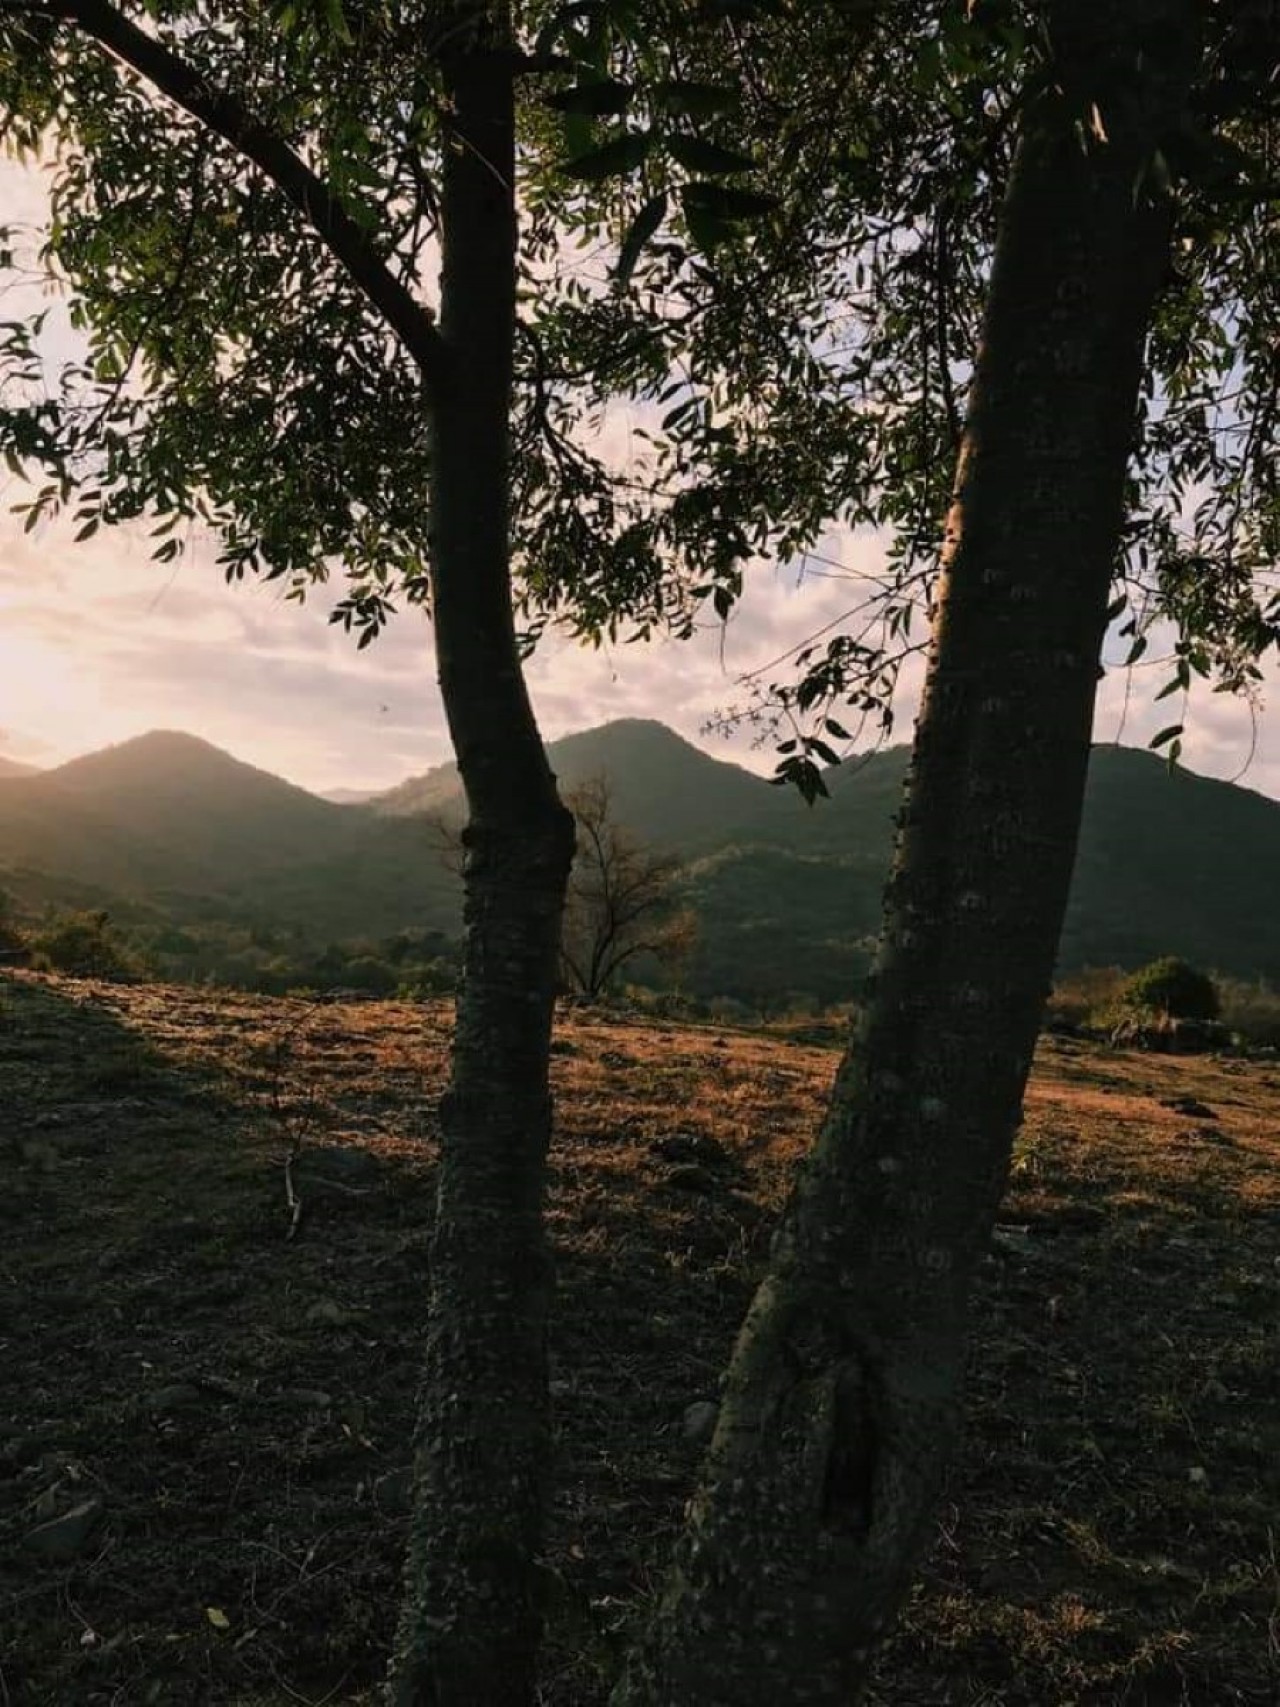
{"x":470,"y":1623}
{"x":843,"y":1396}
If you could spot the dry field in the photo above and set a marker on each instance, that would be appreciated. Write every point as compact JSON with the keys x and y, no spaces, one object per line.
{"x":225,"y":1411}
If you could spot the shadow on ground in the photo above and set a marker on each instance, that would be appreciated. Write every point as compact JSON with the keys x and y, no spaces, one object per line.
{"x":212,"y":1393}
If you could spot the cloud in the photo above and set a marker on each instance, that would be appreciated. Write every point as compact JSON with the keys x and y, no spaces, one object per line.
{"x":99,"y":643}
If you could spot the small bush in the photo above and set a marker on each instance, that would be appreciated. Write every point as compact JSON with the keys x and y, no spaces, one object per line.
{"x":1172,"y":987}
{"x":1252,"y":1011}
{"x":84,"y":945}
{"x":1083,"y":998}
{"x":728,"y":1010}
{"x":14,"y":947}
{"x":1143,"y":1028}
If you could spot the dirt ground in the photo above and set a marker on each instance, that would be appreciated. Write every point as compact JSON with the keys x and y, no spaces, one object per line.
{"x":208,"y":1360}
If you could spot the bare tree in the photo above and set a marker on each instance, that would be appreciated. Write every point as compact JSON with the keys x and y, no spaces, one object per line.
{"x":623,"y":898}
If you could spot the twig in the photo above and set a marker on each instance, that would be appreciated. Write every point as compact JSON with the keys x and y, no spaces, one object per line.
{"x":307,"y":1700}
{"x":290,"y":1195}
{"x":346,"y":1190}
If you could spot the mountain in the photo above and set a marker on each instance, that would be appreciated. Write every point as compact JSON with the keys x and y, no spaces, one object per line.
{"x":1173,"y":857}
{"x":661,"y":786}
{"x":1169,"y":863}
{"x":168,"y":824}
{"x":14,"y":767}
{"x":789,"y":895}
{"x":168,"y":828}
{"x":350,"y":796}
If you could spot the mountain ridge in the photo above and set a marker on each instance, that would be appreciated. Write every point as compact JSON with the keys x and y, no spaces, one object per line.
{"x":639,"y":755}
{"x":169,"y":820}
{"x":170,"y":826}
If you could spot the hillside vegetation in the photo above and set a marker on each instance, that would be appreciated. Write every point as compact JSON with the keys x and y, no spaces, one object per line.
{"x":167,"y":831}
{"x":207,"y":1409}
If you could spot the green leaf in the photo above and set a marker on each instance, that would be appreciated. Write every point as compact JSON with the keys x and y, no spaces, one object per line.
{"x":707,"y":230}
{"x":1165,"y":736}
{"x":641,"y":229}
{"x":579,"y":134}
{"x":618,"y":156}
{"x":336,"y":20}
{"x":725,"y":202}
{"x":1136,"y":650}
{"x":803,"y":774}
{"x":696,"y":154}
{"x":561,"y":23}
{"x":695,"y":100}
{"x":599,"y":99}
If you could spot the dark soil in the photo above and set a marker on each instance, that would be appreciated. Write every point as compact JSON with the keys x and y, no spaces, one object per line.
{"x":220,"y":1384}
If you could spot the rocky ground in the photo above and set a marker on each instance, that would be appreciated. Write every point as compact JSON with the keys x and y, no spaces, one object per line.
{"x":213,"y":1260}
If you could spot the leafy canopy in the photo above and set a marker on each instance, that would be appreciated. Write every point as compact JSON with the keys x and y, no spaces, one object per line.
{"x":243,"y":251}
{"x":826,"y":364}
{"x":755,"y":244}
{"x":1174,"y":987}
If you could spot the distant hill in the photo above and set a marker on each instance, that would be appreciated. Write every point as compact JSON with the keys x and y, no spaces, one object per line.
{"x":14,"y":767}
{"x":169,"y":824}
{"x":661,"y":786}
{"x":1173,"y":858}
{"x":350,"y":796}
{"x":788,"y":896}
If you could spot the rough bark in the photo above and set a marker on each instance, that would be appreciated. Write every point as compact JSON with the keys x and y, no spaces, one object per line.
{"x":470,"y":1623}
{"x":843,"y":1395}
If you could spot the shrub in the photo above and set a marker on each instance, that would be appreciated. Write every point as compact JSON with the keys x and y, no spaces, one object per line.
{"x":1143,"y":1028}
{"x":1173,"y":987}
{"x":14,"y":947}
{"x":1086,"y":997}
{"x":1252,"y":1011}
{"x":84,"y":945}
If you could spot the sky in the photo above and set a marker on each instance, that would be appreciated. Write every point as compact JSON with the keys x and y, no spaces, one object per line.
{"x":99,"y":644}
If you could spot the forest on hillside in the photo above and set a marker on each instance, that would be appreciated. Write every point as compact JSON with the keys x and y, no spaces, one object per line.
{"x":271,"y":889}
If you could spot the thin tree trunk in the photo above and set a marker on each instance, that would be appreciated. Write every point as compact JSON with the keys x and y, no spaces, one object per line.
{"x":843,"y":1396}
{"x":470,"y":1623}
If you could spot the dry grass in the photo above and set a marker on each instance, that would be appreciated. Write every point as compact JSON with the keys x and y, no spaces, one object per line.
{"x":233,"y":1397}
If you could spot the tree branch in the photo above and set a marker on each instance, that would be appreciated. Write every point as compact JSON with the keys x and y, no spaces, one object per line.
{"x":228,"y":118}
